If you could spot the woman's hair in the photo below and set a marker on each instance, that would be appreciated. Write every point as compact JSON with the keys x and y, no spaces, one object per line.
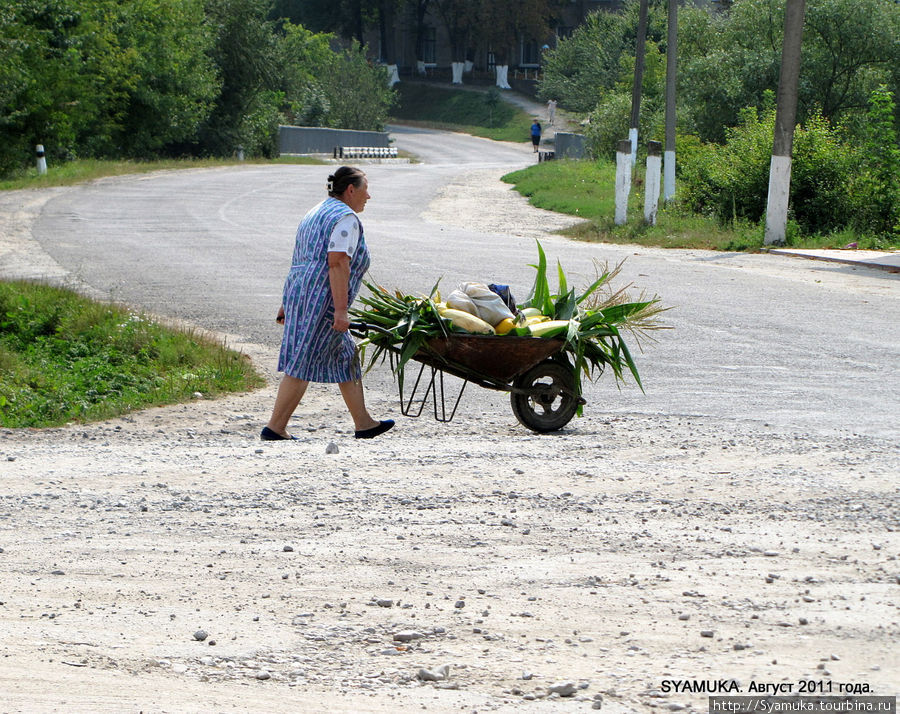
{"x":342,"y":178}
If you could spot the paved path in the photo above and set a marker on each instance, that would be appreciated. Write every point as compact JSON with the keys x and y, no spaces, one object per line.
{"x":767,"y":338}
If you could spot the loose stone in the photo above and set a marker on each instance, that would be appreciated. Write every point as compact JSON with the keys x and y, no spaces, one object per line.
{"x":200,"y":635}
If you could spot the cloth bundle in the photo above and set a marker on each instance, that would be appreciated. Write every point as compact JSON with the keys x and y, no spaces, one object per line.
{"x":479,"y":300}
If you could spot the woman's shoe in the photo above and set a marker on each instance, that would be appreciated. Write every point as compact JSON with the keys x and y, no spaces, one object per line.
{"x":268,"y":434}
{"x":382,"y":427}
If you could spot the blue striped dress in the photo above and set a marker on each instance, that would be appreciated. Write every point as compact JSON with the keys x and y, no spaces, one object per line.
{"x":311,"y":349}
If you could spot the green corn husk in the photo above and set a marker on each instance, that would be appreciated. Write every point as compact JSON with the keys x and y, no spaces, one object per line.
{"x":593,"y":341}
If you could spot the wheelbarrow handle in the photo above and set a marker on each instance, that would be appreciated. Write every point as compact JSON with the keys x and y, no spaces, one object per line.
{"x":361,"y":328}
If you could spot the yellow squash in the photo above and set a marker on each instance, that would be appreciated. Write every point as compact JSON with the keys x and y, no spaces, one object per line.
{"x":468,"y":322}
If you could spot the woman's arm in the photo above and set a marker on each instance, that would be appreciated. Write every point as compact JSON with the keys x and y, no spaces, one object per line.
{"x":339,"y":278}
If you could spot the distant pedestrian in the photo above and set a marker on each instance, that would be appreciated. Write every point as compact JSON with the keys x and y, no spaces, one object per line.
{"x":551,"y":111}
{"x":536,"y":135}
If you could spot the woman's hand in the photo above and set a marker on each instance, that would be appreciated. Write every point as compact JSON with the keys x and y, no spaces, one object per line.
{"x":341,"y":321}
{"x":280,"y":317}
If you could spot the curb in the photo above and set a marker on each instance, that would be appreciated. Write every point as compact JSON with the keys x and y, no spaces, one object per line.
{"x":883,"y":261}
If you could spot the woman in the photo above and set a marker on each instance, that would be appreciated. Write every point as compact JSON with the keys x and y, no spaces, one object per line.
{"x":536,"y":134}
{"x":330,"y":258}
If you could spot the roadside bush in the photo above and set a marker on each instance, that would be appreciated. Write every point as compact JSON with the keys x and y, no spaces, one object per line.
{"x":611,"y":121}
{"x":878,"y":185}
{"x":731,"y":181}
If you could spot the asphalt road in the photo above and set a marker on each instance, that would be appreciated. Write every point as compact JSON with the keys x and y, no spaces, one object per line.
{"x":759,"y":338}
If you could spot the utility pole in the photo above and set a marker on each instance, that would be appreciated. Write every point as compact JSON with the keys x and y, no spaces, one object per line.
{"x":785,"y":119}
{"x":671,"y":74}
{"x":638,"y":79}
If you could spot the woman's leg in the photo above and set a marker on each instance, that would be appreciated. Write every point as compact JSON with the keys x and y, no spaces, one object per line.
{"x":290,"y":392}
{"x":356,"y":403}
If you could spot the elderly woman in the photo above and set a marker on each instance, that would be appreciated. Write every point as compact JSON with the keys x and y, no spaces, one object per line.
{"x":330,"y":258}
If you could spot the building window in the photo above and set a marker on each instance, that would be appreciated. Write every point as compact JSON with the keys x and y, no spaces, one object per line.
{"x":531,"y":55}
{"x":429,"y":43}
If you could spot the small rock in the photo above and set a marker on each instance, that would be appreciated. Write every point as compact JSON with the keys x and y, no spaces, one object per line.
{"x":384,"y":602}
{"x":527,"y":675}
{"x":563,"y":689}
{"x":263,"y":675}
{"x":459,"y":604}
{"x":437,"y":675}
{"x":332,"y":448}
{"x":684,"y":617}
{"x":707,"y":633}
{"x":179,"y":668}
{"x":407,"y":636}
{"x":771,"y":553}
{"x":597,"y":704}
{"x":803,"y":621}
{"x":288,"y":549}
{"x":58,"y":572}
{"x":200,"y":635}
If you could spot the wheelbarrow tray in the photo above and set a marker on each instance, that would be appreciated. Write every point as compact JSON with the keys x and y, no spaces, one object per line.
{"x":497,"y":358}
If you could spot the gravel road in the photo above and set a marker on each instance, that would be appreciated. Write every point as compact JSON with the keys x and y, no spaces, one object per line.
{"x":726,"y":526}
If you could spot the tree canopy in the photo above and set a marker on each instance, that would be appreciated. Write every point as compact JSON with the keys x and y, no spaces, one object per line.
{"x":141,"y":78}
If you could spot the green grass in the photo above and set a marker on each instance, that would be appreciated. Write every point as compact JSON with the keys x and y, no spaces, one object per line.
{"x":65,"y":358}
{"x":587,"y":189}
{"x":463,"y":110}
{"x":81,"y":170}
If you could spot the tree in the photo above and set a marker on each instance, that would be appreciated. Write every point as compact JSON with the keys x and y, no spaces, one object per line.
{"x":590,"y":63}
{"x":501,"y":24}
{"x":849,"y":47}
{"x":326,"y":88}
{"x":246,"y":111}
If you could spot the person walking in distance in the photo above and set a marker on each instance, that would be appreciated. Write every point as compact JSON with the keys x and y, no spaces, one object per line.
{"x":536,"y":135}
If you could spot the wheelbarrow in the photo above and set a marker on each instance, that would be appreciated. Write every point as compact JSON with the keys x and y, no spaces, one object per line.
{"x":541,"y":383}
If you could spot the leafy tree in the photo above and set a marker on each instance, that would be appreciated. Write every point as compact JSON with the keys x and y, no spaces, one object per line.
{"x":170,"y":79}
{"x":849,"y":47}
{"x":500,"y":24}
{"x":327,"y":88}
{"x":457,"y":17}
{"x":358,"y":93}
{"x":584,"y":67}
{"x":245,"y":54}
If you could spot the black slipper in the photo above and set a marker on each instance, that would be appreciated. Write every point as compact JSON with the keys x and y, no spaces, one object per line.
{"x":382,"y":427}
{"x":268,"y":434}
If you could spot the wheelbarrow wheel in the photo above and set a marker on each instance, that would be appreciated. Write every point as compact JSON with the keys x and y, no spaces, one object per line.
{"x":549,"y":403}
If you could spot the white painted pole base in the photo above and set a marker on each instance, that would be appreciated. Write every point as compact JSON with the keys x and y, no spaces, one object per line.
{"x":651,"y":188}
{"x":393,"y":75}
{"x":623,"y":181}
{"x":777,"y":203}
{"x":669,"y":176}
{"x":457,"y":69}
{"x":503,"y":76}
{"x":633,"y":137}
{"x":40,"y":160}
{"x":420,"y":67}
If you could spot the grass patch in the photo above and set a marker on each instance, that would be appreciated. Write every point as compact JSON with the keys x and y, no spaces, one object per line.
{"x":66,"y":358}
{"x":463,"y":110}
{"x":81,"y":170}
{"x":587,"y":189}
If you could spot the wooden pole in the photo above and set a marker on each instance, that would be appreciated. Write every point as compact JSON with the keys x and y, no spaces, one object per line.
{"x":785,"y":119}
{"x":638,"y":79}
{"x":671,"y":75}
